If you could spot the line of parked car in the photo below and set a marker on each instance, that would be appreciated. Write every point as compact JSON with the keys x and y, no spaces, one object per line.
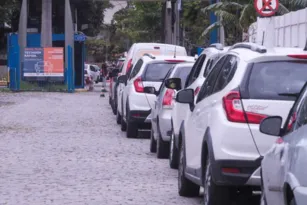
{"x":231,"y":121}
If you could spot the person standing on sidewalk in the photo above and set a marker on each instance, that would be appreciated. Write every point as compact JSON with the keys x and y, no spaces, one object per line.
{"x":104,"y":73}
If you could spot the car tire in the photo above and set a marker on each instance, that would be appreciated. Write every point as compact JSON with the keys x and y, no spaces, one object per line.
{"x":214,"y":194}
{"x":162,"y":148}
{"x":113,"y":107}
{"x":123,"y":125}
{"x":173,"y":153}
{"x":293,"y":202}
{"x":110,"y":102}
{"x":153,"y":142}
{"x":132,"y":127}
{"x":185,"y":186}
{"x":118,"y":118}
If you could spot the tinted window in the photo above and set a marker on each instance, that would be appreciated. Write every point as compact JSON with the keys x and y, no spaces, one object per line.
{"x":209,"y":65}
{"x":301,"y":115}
{"x":182,"y":73}
{"x":92,"y":68}
{"x":274,"y":80}
{"x":156,"y":71}
{"x":195,"y":70}
{"x":136,"y":68}
{"x":226,"y":74}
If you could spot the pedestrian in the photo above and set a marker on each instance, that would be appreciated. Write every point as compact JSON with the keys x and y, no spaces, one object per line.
{"x":104,"y":74}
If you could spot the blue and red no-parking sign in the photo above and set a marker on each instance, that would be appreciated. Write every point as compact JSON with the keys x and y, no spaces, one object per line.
{"x":266,"y":8}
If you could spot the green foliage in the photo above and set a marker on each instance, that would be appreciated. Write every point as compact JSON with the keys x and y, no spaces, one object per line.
{"x":7,"y":10}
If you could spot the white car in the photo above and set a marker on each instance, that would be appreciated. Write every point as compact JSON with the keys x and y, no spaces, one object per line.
{"x":136,"y":51}
{"x":196,"y":78}
{"x":221,"y":147}
{"x":93,"y":71}
{"x":161,"y":112}
{"x":136,"y":104}
{"x":283,"y":166}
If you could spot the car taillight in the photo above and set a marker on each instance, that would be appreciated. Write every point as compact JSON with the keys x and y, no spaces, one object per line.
{"x":299,"y":56}
{"x":138,"y":85}
{"x":196,"y":91}
{"x":168,"y":98}
{"x":291,"y":121}
{"x":234,"y":110}
{"x":129,"y":65}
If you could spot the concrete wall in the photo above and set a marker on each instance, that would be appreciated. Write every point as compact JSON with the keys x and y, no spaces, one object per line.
{"x":289,"y":30}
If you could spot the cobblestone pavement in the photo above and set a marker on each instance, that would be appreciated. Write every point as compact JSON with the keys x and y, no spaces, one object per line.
{"x":58,"y":148}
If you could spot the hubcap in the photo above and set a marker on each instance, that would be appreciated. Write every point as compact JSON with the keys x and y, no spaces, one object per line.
{"x":207,"y":183}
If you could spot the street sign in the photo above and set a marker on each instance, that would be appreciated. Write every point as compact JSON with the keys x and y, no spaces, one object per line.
{"x":266,"y":8}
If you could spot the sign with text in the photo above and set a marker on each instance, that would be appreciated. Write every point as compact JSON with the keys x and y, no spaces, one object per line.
{"x":43,"y":62}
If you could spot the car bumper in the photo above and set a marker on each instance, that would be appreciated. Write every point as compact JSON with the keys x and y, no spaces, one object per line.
{"x":300,"y":195}
{"x":165,"y":124}
{"x":237,"y":172}
{"x":139,"y":116}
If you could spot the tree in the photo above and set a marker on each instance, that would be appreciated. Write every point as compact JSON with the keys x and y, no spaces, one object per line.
{"x":236,"y":17}
{"x":7,"y":9}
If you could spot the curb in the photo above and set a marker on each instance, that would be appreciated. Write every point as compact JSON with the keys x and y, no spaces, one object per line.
{"x":81,"y":90}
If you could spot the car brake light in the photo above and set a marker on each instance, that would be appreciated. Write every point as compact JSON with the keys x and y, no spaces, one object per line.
{"x":175,"y":61}
{"x":299,"y":56}
{"x":196,"y":91}
{"x":129,"y":65}
{"x":279,"y":140}
{"x":168,"y":98}
{"x":291,"y":121}
{"x":138,"y":85}
{"x":234,"y":110}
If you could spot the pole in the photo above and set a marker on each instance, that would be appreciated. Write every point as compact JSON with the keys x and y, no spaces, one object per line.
{"x":46,"y":31}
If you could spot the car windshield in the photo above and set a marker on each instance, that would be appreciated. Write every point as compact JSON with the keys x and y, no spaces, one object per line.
{"x":182,"y":73}
{"x":156,"y":72}
{"x":277,"y":80}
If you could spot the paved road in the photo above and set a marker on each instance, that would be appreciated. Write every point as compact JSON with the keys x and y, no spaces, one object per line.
{"x":58,"y":148}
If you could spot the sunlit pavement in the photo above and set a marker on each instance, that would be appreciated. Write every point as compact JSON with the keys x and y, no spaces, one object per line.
{"x":59,"y":148}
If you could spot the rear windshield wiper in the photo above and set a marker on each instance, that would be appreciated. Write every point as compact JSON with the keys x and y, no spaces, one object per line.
{"x":289,"y":94}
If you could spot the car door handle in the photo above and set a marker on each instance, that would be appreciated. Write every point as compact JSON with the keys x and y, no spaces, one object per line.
{"x":197,"y":112}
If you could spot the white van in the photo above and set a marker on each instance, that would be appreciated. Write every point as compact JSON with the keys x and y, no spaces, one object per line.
{"x":136,"y":51}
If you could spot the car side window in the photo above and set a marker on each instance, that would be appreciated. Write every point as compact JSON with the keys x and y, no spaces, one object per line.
{"x":195,"y":70}
{"x":300,"y":118}
{"x":92,"y":68}
{"x":136,"y":69}
{"x":207,"y":87}
{"x":228,"y":70}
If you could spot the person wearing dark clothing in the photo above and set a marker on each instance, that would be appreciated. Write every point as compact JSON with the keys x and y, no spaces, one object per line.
{"x":103,"y":75}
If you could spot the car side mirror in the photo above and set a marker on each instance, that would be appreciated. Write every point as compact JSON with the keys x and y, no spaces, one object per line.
{"x":185,"y":96}
{"x":173,"y":83}
{"x":271,"y":126}
{"x":122,"y":79}
{"x":150,"y":90}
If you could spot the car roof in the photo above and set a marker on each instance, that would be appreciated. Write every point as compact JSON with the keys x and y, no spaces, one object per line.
{"x":275,"y":53}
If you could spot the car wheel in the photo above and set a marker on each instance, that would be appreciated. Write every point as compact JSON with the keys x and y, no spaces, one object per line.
{"x":153,"y":142}
{"x":162,"y":146}
{"x":110,"y":102}
{"x":293,"y":202}
{"x":185,"y":186}
{"x":123,"y":125}
{"x":118,"y":118}
{"x":113,"y":107}
{"x":173,"y":153}
{"x":214,"y":194}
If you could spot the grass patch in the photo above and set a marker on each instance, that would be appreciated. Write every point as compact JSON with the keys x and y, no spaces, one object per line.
{"x":42,"y":86}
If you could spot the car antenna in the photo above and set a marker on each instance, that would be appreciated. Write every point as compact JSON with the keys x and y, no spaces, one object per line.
{"x":175,"y":51}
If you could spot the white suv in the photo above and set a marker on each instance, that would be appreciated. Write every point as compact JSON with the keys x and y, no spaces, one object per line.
{"x":221,"y":147}
{"x":196,"y":78}
{"x":136,"y":105}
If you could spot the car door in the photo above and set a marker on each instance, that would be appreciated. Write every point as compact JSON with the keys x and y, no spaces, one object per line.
{"x":93,"y":72}
{"x":195,"y":123}
{"x":129,"y":87}
{"x":278,"y":157}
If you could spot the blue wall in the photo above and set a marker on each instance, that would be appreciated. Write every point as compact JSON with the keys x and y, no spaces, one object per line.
{"x":213,"y":19}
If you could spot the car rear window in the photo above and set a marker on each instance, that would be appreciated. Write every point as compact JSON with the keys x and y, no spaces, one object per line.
{"x":277,"y":80}
{"x":182,"y":73}
{"x":156,"y":72}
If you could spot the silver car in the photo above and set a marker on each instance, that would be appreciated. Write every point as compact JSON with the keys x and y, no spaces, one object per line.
{"x":283,"y":170}
{"x":161,"y":112}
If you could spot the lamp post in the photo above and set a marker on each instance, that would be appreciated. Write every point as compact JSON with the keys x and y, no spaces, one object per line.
{"x":46,"y":31}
